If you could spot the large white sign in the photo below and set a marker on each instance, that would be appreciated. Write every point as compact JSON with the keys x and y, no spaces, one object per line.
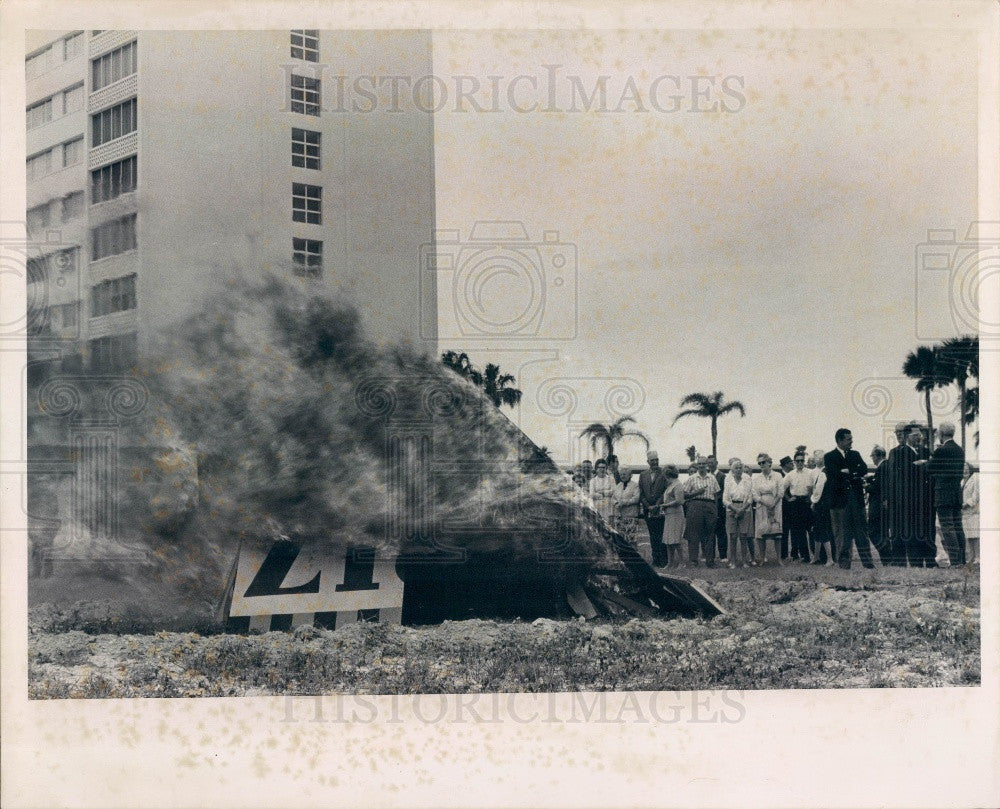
{"x":288,"y":585}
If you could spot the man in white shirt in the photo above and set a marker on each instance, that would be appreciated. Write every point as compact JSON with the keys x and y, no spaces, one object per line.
{"x":739,"y":516}
{"x":699,"y":501}
{"x":798,"y":489}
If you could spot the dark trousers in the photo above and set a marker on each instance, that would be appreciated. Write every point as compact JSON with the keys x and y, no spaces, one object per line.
{"x":952,"y":533}
{"x":797,"y":515}
{"x":784,"y":529}
{"x":877,"y":534}
{"x":721,"y":540}
{"x":699,"y":530}
{"x":849,"y":530}
{"x":655,"y":526}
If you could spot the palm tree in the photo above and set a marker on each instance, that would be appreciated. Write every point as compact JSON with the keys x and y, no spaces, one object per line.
{"x":462,"y":365}
{"x":499,"y":388}
{"x":607,"y":435}
{"x":959,"y":358}
{"x":924,"y":365}
{"x":709,"y":406}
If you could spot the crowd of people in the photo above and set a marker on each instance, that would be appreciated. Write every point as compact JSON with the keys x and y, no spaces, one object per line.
{"x":820,"y":509}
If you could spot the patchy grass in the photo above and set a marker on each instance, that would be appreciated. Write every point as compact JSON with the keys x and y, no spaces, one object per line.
{"x":796,"y":627}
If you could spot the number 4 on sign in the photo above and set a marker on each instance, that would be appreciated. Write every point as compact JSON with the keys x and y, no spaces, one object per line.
{"x":289,"y":579}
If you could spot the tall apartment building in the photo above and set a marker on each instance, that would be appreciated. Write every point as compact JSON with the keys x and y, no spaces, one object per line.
{"x":160,"y":162}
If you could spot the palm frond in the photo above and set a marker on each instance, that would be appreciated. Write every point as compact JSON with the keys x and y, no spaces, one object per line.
{"x":683,"y":413}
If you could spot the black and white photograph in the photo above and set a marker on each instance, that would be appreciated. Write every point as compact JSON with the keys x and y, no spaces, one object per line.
{"x":496,"y":369}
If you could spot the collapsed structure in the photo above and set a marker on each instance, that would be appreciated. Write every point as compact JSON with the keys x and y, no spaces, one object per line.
{"x":275,"y":419}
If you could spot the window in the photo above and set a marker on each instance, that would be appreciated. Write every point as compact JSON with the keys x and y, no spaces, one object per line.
{"x":113,"y":66}
{"x":117,"y":353}
{"x":72,"y":206}
{"x":113,"y":180}
{"x":113,"y":238}
{"x":305,"y":45}
{"x":116,"y":295}
{"x":307,"y":203}
{"x":114,"y":122}
{"x":39,"y":217}
{"x":38,"y":63}
{"x":305,"y":95}
{"x":69,"y":314}
{"x":72,"y":99}
{"x":40,"y":113}
{"x":72,"y":152}
{"x":73,"y":45}
{"x":307,"y":255}
{"x":39,"y":165}
{"x":305,"y":148}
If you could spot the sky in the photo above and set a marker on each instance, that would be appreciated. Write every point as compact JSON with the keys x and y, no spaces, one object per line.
{"x":766,"y":249}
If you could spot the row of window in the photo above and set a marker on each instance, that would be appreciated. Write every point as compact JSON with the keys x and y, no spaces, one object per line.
{"x":114,"y":122}
{"x":112,"y":238}
{"x":66,"y":48}
{"x":48,"y":213}
{"x":115,"y":353}
{"x":113,"y":180}
{"x":55,"y":106}
{"x":113,"y":66}
{"x":114,"y":295}
{"x":58,"y":157}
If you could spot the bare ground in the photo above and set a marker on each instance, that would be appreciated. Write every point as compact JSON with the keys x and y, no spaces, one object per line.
{"x":794,"y":627}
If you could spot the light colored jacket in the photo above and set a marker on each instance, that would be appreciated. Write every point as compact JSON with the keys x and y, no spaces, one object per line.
{"x":627,"y":498}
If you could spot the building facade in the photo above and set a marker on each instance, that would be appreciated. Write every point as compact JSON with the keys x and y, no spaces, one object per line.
{"x":161,"y":163}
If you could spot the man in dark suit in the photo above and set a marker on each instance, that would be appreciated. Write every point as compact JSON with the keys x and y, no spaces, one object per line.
{"x":845,"y":471}
{"x":898,"y":495}
{"x":946,"y":467}
{"x":652,"y":485}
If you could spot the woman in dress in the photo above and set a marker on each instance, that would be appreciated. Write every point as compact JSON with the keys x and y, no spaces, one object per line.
{"x":766,"y":491}
{"x":602,"y":491}
{"x":739,"y":518}
{"x":672,"y":508}
{"x":626,"y":502}
{"x":970,"y":514}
